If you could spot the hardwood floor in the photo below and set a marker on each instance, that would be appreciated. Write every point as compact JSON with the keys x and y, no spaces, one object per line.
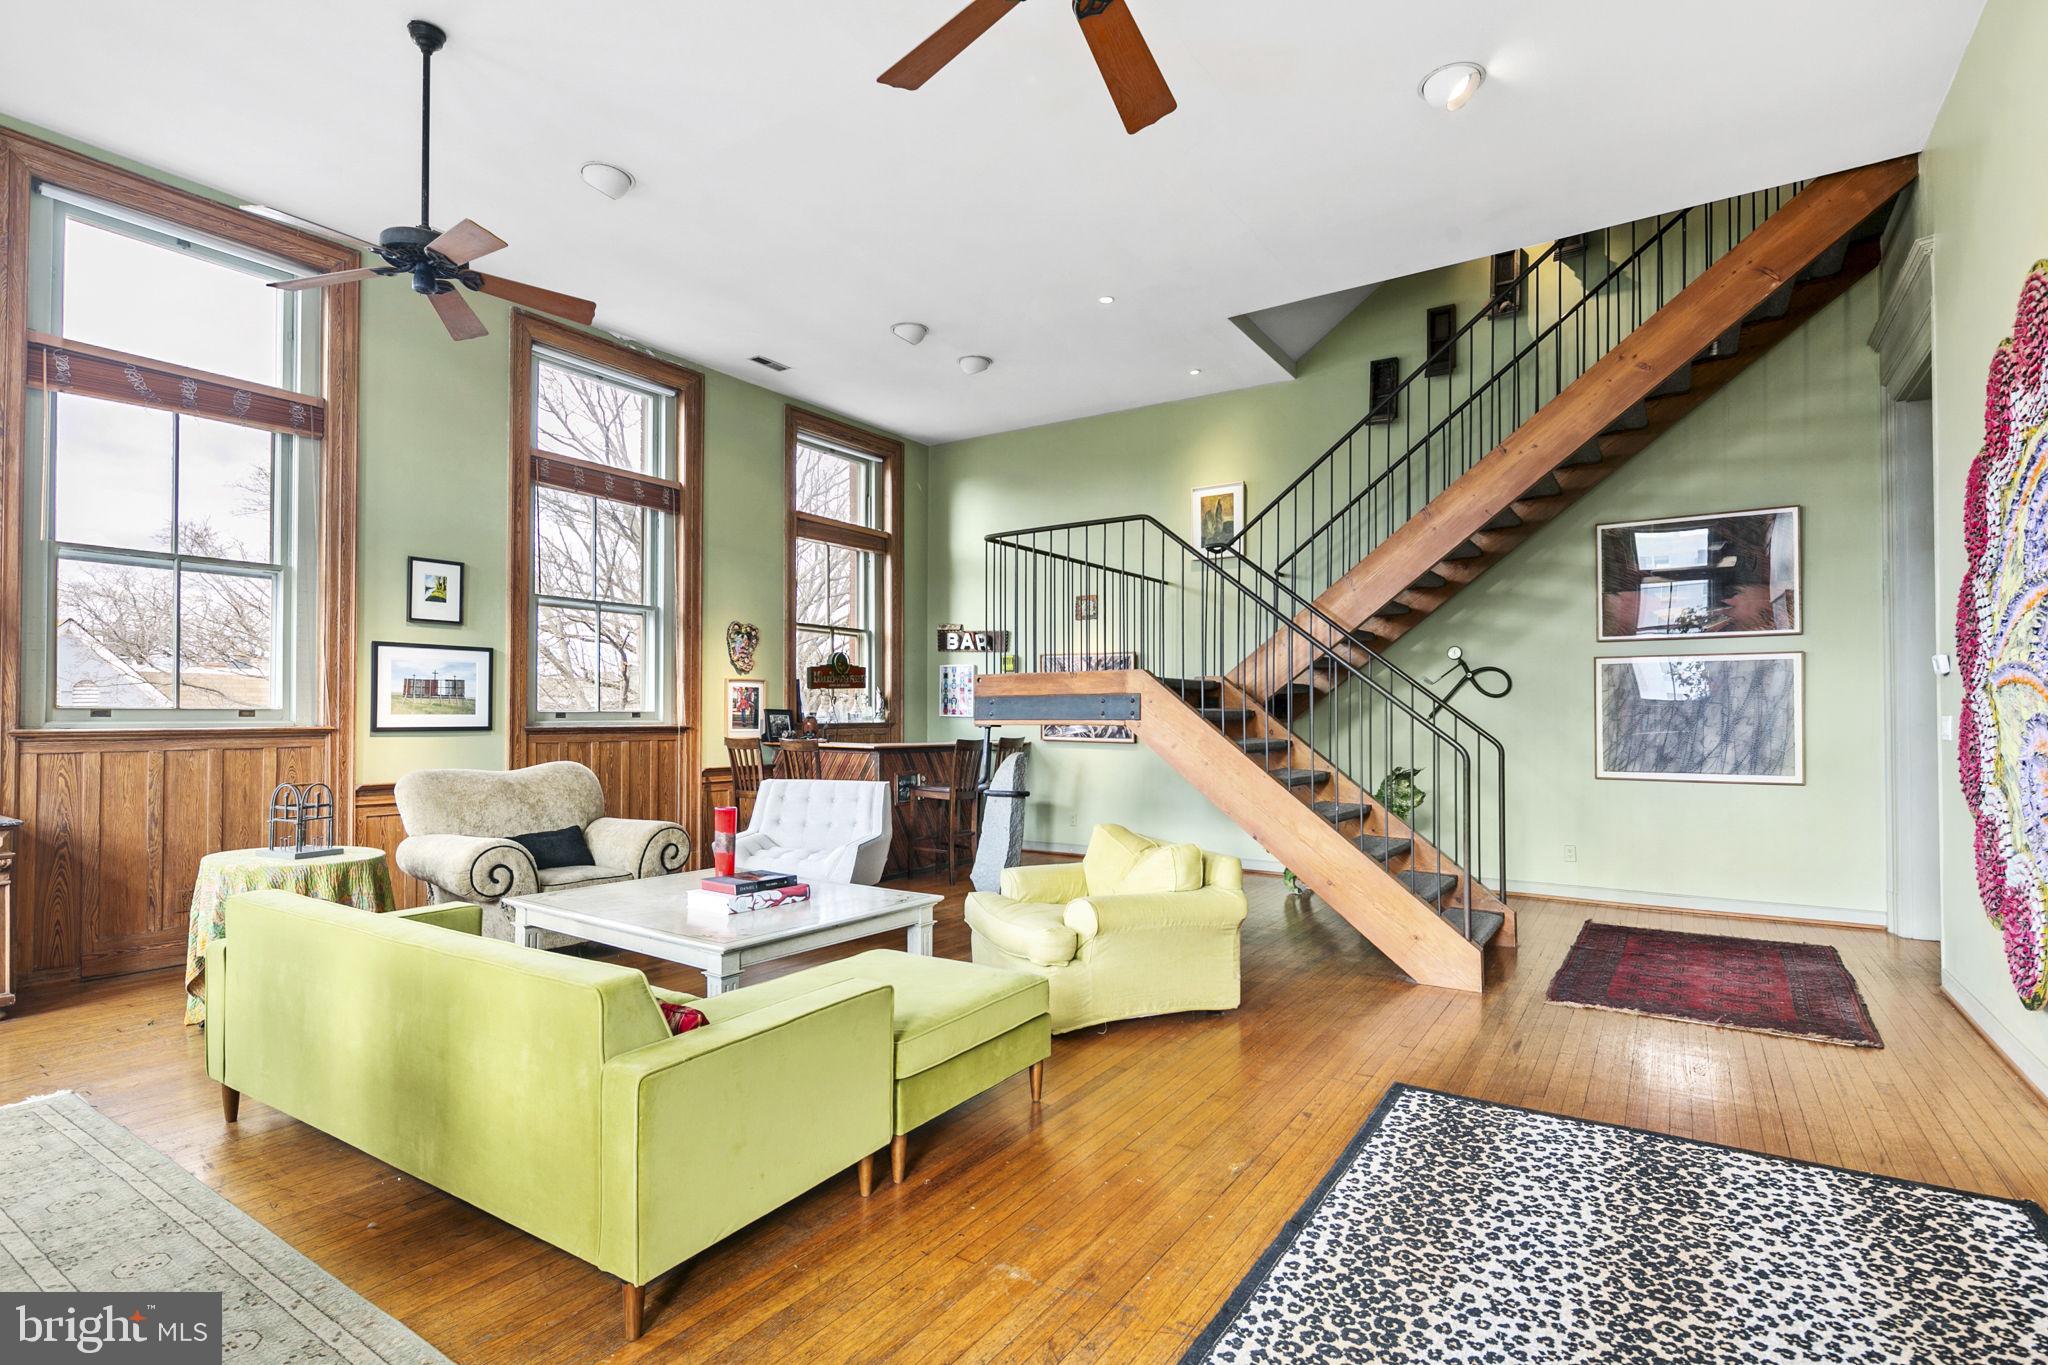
{"x":1112,"y":1223}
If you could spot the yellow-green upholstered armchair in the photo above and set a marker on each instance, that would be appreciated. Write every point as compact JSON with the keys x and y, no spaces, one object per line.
{"x":1137,"y":927}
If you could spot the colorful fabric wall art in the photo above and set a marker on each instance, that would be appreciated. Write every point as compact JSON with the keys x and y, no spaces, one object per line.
{"x":2002,"y":643}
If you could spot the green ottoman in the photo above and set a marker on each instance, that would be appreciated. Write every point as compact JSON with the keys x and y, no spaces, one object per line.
{"x":960,"y":1028}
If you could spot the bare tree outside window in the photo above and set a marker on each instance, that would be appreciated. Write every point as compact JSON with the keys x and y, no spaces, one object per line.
{"x":180,"y":616}
{"x":598,"y":614}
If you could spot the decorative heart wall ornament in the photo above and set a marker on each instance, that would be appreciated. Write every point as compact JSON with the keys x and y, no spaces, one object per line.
{"x":742,"y":638}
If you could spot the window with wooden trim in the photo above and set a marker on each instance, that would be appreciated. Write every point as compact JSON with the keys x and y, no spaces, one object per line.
{"x":607,"y":496}
{"x":844,"y":569}
{"x":173,"y":444}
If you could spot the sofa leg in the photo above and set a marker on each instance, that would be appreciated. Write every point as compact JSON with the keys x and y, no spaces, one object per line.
{"x":867,"y":1175}
{"x":230,"y":1104}
{"x":634,"y":1301}
{"x":1037,"y":1082}
{"x":899,"y":1157}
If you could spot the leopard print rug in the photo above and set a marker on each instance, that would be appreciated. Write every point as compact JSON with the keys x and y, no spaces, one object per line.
{"x":1455,"y":1230}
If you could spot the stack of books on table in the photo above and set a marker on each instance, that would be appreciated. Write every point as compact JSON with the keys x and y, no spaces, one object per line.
{"x":748,"y":889}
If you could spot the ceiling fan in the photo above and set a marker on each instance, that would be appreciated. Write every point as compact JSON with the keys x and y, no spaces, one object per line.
{"x":438,"y":261}
{"x":1128,"y":69}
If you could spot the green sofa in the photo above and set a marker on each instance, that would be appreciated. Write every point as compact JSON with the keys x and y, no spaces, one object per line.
{"x":546,"y":1089}
{"x":1137,"y":927}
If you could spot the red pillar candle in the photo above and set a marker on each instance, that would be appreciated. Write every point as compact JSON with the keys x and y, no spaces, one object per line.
{"x":725,"y":833}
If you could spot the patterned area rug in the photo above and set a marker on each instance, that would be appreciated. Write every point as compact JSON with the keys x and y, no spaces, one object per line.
{"x":1800,"y":990}
{"x":1454,"y":1230}
{"x":87,"y":1205}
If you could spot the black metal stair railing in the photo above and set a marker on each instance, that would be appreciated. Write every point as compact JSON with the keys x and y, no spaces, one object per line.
{"x":1125,"y":592}
{"x":1557,"y":316}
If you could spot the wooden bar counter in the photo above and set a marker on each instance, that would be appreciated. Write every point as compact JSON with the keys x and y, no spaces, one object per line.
{"x":915,"y":821}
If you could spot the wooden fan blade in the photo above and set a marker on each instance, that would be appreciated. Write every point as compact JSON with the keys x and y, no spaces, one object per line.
{"x":1133,"y":77}
{"x":457,"y":316}
{"x":465,"y":242}
{"x":929,"y":57}
{"x":334,"y":277}
{"x":533,"y":296}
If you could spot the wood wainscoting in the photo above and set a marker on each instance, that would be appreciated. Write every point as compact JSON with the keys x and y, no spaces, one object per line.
{"x":378,"y":826}
{"x":117,"y":824}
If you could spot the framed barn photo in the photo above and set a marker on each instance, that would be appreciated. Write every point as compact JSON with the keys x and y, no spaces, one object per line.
{"x":433,"y":591}
{"x":1701,"y":718}
{"x":416,"y":688}
{"x":1721,"y":574}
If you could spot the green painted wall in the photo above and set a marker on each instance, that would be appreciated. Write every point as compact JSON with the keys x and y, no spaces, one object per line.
{"x":1985,"y":201}
{"x":1802,"y":426}
{"x":434,"y":453}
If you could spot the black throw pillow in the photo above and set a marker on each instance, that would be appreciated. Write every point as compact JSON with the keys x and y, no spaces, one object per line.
{"x":557,"y":848}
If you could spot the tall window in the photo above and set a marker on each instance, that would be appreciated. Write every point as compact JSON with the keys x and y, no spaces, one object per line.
{"x":173,"y":476}
{"x":606,"y":494}
{"x":845,"y":581}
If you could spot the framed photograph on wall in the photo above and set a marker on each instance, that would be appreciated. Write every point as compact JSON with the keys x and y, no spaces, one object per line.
{"x":418,"y":688}
{"x":777,"y":723}
{"x":1219,"y":515}
{"x":956,"y":691}
{"x":1723,"y":573}
{"x":746,"y":702}
{"x":1087,"y":663}
{"x":1701,"y":718}
{"x":433,"y":591}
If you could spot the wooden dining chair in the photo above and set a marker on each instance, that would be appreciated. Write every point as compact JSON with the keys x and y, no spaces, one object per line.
{"x":798,"y":759}
{"x":745,"y":757}
{"x":959,"y":790}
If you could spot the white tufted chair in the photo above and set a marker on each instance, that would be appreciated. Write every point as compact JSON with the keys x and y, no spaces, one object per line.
{"x":820,"y":831}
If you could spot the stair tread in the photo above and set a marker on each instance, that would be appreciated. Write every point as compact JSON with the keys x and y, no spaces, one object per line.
{"x":1381,"y":847}
{"x":1677,"y":382}
{"x":1430,"y":581}
{"x":1829,"y":262}
{"x":1298,"y":777}
{"x":1428,"y":886}
{"x":1337,"y":812}
{"x":1465,"y":550}
{"x":1265,"y":746}
{"x":1394,"y":609}
{"x":1503,"y":520}
{"x":1485,"y":923}
{"x":1776,"y":306}
{"x":1635,"y":419}
{"x":1589,"y":453}
{"x":1545,"y":487}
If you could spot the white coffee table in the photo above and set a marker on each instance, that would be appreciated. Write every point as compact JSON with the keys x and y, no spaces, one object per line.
{"x":653,"y":916}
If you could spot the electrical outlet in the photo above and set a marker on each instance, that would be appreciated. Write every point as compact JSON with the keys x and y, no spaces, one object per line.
{"x":1948,"y":728}
{"x":1571,"y":853}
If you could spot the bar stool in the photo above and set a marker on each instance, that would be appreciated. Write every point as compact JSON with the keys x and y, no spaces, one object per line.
{"x":960,"y":792}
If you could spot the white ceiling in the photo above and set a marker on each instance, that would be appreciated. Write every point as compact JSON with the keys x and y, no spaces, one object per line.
{"x":790,"y":206}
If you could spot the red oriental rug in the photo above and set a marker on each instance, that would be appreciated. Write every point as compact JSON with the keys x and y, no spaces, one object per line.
{"x":1798,"y":990}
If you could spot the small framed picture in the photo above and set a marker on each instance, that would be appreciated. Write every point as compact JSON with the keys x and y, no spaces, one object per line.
{"x":745,"y":704}
{"x":956,"y":691}
{"x":1219,"y":515}
{"x":429,"y":687}
{"x":777,"y":723}
{"x":433,"y":591}
{"x":1087,"y":606}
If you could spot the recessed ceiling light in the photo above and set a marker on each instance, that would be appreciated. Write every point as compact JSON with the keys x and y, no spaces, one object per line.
{"x":1194,"y":372}
{"x":975,"y":364}
{"x":912,"y":332}
{"x":607,"y":180}
{"x":765,"y":363}
{"x":1106,"y":299}
{"x":1450,"y":88}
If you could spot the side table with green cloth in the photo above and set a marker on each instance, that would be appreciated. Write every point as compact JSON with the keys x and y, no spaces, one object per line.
{"x":354,"y":876}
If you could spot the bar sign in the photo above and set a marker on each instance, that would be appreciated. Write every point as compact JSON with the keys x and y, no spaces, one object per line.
{"x":961,"y":640}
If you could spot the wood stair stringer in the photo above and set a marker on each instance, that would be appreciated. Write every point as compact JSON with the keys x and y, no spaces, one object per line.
{"x":1761,"y":265}
{"x":1366,"y":895}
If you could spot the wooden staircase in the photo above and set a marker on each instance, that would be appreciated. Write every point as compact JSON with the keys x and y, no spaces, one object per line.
{"x":1795,"y":263}
{"x":1381,"y":876}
